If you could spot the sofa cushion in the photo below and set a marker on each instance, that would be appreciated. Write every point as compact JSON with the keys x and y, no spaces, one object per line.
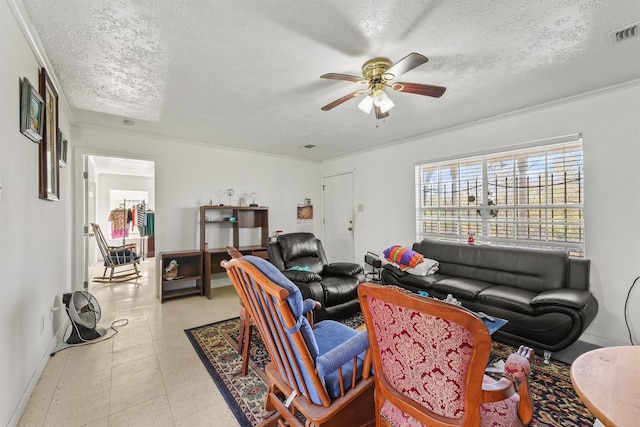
{"x":423,"y":282}
{"x":313,"y":263}
{"x":532,"y":269}
{"x":512,"y":299}
{"x":461,"y":287}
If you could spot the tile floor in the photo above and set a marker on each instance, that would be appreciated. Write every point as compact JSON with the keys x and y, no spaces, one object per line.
{"x":146,"y":375}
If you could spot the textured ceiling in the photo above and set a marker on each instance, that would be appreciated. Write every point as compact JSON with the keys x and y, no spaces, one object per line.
{"x":246,"y":74}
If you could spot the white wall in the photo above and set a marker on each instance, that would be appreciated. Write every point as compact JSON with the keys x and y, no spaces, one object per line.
{"x":35,"y":243}
{"x":189,"y":175}
{"x":610,"y":126}
{"x":48,"y":235}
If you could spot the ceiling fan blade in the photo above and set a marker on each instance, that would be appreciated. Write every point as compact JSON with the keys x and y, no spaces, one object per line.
{"x":342,"y":100}
{"x":407,"y":63}
{"x":337,"y":76}
{"x":419,"y":89}
{"x":379,"y":113}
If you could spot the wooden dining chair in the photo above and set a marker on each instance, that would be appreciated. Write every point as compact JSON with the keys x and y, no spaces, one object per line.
{"x":429,"y":358}
{"x":318,"y":376}
{"x":124,"y":258}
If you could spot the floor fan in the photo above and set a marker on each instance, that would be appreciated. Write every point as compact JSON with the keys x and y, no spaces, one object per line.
{"x":84,"y":311}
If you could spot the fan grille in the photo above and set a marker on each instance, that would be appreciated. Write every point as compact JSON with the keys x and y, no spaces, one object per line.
{"x":84,"y":309}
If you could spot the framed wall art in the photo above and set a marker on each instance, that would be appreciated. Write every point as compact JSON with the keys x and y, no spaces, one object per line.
{"x":62,"y":149}
{"x":49,"y":165}
{"x":31,"y":111}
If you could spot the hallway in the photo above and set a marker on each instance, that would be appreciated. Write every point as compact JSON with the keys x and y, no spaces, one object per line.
{"x":148,"y":374}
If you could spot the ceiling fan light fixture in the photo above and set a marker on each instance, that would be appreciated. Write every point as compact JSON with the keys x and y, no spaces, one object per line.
{"x":387,"y":105}
{"x":366,"y":104}
{"x":382,"y":100}
{"x":379,"y":97}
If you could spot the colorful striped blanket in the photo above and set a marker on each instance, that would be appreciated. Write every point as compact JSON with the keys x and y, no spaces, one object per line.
{"x":405,"y":258}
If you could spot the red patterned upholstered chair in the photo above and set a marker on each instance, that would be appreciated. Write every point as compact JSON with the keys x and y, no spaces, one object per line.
{"x":429,"y":358}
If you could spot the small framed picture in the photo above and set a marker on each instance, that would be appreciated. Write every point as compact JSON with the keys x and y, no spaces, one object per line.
{"x":31,"y":111}
{"x":62,"y":149}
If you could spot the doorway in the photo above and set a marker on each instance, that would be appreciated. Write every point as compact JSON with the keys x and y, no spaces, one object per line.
{"x":338,"y":217}
{"x":117,"y":183}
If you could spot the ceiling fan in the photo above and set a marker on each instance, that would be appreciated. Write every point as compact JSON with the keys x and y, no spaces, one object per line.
{"x":379,"y":74}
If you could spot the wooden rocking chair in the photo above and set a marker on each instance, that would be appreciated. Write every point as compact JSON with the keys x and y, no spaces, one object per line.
{"x":318,"y":376}
{"x":116,"y":257}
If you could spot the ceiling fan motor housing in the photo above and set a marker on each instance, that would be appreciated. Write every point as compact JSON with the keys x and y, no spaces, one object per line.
{"x":379,"y":74}
{"x":374,"y":69}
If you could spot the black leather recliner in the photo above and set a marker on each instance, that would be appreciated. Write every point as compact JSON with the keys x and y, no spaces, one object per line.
{"x":301,"y":258}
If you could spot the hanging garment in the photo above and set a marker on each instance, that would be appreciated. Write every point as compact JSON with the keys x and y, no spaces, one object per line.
{"x":119,"y":219}
{"x":149,"y":224}
{"x":140,"y":216}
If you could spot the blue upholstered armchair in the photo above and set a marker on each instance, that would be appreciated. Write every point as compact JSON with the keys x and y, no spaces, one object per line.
{"x":321,"y":372}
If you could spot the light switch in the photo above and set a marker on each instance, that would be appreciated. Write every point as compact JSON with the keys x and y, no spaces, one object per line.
{"x":360,"y":208}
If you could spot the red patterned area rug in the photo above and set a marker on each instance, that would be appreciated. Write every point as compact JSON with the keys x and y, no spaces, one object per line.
{"x":556,"y":402}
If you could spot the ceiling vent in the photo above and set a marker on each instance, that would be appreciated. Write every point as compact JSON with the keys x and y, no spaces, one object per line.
{"x":622,"y":34}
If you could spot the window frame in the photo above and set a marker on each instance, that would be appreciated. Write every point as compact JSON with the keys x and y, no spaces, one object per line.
{"x":452,"y":220}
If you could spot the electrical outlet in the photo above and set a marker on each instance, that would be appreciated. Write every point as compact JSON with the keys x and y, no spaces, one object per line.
{"x":42,"y":323}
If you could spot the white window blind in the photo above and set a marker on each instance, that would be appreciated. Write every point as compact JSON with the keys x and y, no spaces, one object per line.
{"x":117,"y":198}
{"x":530,"y":197}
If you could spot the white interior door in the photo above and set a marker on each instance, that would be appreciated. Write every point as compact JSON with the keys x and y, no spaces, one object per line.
{"x":338,"y":217}
{"x":90,"y":192}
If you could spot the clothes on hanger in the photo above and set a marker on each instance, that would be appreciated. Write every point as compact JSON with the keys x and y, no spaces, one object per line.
{"x":120,"y":219}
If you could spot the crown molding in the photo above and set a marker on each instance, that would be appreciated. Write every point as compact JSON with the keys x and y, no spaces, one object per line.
{"x":24,"y":22}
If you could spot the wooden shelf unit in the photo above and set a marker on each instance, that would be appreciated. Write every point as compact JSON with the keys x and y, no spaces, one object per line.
{"x":216,"y":219}
{"x":190,"y":266}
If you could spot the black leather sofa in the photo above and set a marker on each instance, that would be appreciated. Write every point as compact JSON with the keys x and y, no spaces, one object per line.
{"x":334,"y":285}
{"x":544,"y":294}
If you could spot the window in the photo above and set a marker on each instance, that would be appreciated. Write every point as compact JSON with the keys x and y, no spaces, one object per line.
{"x":530,"y":197}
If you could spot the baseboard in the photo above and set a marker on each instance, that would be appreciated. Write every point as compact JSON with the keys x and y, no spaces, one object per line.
{"x":33,"y":382}
{"x":601,"y":341}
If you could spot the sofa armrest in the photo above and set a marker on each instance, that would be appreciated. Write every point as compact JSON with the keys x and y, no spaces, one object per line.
{"x":579,"y":271}
{"x":301,"y":276}
{"x":395,"y":271}
{"x":343,"y":269}
{"x":574,"y":298}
